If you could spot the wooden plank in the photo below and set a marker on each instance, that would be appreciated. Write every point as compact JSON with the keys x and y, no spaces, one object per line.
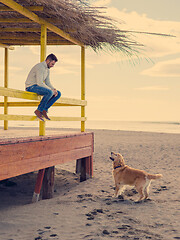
{"x":82,"y":86}
{"x":6,"y":46}
{"x":23,"y":20}
{"x":29,"y":149}
{"x":9,"y":170}
{"x":27,"y":43}
{"x":34,"y":118}
{"x":61,"y":135}
{"x":26,"y":37}
{"x":15,"y":93}
{"x":31,"y":8}
{"x":38,"y":185}
{"x":18,"y":117}
{"x":35,"y":104}
{"x":88,"y":166}
{"x":48,"y":183}
{"x":83,"y":170}
{"x":84,"y":166}
{"x":13,"y":29}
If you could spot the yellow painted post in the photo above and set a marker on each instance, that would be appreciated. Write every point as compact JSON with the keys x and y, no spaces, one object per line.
{"x":82,"y":86}
{"x":43,"y":55}
{"x":6,"y":85}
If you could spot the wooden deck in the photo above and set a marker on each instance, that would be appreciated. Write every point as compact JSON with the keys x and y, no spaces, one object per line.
{"x":23,"y":154}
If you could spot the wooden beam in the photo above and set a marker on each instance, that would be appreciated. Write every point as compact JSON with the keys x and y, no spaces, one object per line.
{"x":38,"y":185}
{"x":43,"y":42}
{"x":6,"y":75}
{"x":24,"y":165}
{"x":42,"y":127}
{"x":31,"y":8}
{"x":24,"y":11}
{"x":42,"y":146}
{"x":30,"y":35}
{"x":18,"y":117}
{"x":48,"y":183}
{"x":9,"y":92}
{"x":82,"y":86}
{"x":6,"y":46}
{"x":24,"y":20}
{"x":27,"y":43}
{"x":15,"y":20}
{"x":34,"y":118}
{"x":35,"y":104}
{"x":20,"y":30}
{"x":14,"y":93}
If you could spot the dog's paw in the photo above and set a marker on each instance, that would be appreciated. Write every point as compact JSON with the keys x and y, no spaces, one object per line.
{"x":121,"y":197}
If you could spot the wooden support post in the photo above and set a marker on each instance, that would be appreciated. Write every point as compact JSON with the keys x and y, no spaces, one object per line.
{"x":78,"y":166}
{"x":38,"y":185}
{"x":6,"y":86}
{"x":89,"y":166}
{"x":83,"y":86}
{"x":85,"y":168}
{"x":43,"y":55}
{"x":48,"y":183}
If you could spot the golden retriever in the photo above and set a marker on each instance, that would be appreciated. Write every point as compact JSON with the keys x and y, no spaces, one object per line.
{"x":125,"y":175}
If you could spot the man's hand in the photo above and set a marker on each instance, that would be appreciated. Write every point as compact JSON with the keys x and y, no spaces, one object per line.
{"x":55,"y":92}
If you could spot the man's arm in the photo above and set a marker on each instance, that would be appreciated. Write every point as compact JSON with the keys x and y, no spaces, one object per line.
{"x":40,"y":79}
{"x":48,"y":83}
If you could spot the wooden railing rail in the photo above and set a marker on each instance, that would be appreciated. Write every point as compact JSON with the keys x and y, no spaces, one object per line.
{"x":15,"y":93}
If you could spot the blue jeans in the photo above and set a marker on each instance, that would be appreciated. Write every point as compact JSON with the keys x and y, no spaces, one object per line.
{"x":48,"y":96}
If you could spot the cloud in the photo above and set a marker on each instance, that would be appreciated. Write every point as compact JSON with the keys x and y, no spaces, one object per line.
{"x":170,"y":68}
{"x":153,"y":88}
{"x":102,"y":3}
{"x":155,"y":46}
{"x":64,"y":70}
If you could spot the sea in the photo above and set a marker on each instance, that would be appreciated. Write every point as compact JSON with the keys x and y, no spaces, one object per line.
{"x":144,"y":126}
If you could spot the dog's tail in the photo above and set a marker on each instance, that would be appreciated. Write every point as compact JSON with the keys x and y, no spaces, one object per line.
{"x":154,"y":176}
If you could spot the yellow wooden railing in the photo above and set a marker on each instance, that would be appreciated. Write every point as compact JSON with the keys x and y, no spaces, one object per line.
{"x":15,"y":93}
{"x":6,"y":92}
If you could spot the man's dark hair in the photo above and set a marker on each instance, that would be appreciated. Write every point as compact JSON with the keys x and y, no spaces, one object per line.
{"x":52,"y":57}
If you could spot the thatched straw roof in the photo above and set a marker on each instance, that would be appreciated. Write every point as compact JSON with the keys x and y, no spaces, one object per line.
{"x":82,"y":22}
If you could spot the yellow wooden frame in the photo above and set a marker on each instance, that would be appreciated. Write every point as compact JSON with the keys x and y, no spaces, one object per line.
{"x":6,"y":86}
{"x":27,"y":13}
{"x":31,"y":8}
{"x":15,"y":93}
{"x":6,"y":46}
{"x":45,"y":26}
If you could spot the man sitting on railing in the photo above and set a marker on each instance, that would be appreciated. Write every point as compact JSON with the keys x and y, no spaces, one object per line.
{"x":38,"y":82}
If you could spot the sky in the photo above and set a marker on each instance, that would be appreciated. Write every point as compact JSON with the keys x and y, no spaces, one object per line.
{"x":146,"y":88}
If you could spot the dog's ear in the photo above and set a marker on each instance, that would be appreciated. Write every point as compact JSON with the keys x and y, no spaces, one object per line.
{"x":112,"y":158}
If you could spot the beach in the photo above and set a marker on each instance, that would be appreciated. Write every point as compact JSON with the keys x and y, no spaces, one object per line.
{"x":87,"y":210}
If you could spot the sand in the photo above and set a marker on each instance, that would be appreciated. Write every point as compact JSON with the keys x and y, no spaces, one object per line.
{"x":87,"y":210}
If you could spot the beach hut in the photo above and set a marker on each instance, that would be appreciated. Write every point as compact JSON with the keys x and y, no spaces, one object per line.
{"x":43,"y":23}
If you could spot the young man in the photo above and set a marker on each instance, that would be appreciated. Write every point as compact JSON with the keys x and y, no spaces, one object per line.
{"x":38,"y":82}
